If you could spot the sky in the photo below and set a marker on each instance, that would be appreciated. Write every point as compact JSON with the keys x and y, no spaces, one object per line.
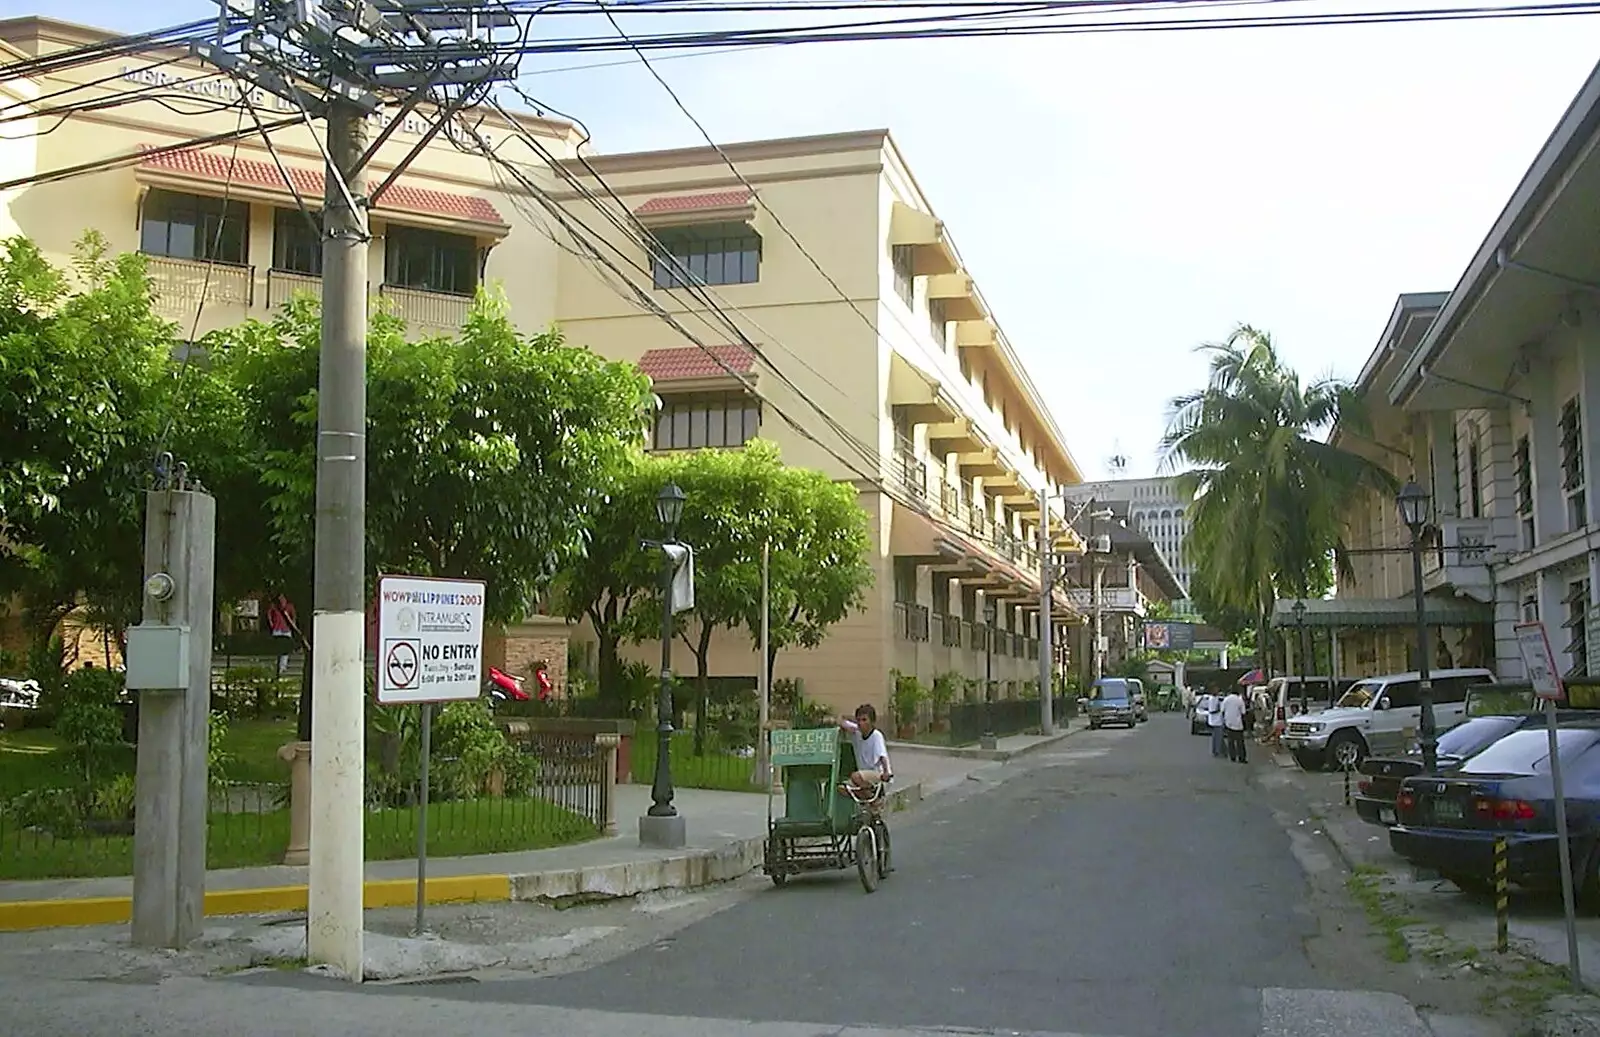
{"x":1121,"y":199}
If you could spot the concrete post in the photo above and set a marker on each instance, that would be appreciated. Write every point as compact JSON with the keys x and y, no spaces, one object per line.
{"x":608,"y":781}
{"x":171,"y":793}
{"x":298,"y":757}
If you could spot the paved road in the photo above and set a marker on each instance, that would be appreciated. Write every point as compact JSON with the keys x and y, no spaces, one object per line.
{"x":1127,"y":885}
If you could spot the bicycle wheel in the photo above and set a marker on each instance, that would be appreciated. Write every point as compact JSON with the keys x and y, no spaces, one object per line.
{"x":867,"y":857}
{"x":885,"y":862}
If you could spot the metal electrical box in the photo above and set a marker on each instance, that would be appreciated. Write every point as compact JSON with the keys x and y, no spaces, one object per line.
{"x":158,"y":658}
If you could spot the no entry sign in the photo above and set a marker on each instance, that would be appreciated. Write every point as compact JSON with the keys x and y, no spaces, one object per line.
{"x":430,"y":639}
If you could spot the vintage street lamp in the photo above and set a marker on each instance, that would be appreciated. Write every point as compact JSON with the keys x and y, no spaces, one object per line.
{"x":990,"y":615}
{"x":1299,"y":611}
{"x":1412,"y":503}
{"x":669,"y":509}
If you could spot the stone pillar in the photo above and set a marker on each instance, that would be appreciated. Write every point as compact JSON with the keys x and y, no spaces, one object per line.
{"x":298,"y":756}
{"x":608,"y":781}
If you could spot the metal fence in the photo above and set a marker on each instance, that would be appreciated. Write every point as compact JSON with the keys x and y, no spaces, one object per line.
{"x":713,"y":766}
{"x":970,"y":720}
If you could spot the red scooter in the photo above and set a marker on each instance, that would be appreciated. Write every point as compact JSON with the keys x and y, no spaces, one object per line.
{"x":507,"y":687}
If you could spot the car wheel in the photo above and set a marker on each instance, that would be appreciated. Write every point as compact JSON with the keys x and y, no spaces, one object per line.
{"x":1346,"y":750}
{"x":1310,"y":761}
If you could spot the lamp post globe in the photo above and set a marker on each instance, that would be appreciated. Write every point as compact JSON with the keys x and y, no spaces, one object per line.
{"x":669,"y":507}
{"x":662,"y":825}
{"x":1412,"y":504}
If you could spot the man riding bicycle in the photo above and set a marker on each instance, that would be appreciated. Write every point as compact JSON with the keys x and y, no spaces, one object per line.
{"x":872,"y":753}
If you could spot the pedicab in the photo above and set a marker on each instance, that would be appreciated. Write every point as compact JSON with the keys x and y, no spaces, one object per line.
{"x":823,"y":826}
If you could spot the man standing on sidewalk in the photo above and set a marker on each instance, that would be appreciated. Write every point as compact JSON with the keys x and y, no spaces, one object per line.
{"x":1233,"y":708}
{"x":1213,"y":707}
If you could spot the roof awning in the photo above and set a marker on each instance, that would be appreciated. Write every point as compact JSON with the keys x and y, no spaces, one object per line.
{"x":931,"y":251}
{"x":687,"y":210}
{"x":1383,"y":612}
{"x":709,"y":367}
{"x":959,"y":295}
{"x":212,"y":172}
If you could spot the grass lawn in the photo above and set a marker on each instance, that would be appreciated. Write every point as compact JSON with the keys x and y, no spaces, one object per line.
{"x":252,"y":748}
{"x":455,"y":828}
{"x":714,"y":770}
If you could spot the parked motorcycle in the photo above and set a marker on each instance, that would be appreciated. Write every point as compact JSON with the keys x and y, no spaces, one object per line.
{"x":507,"y":687}
{"x":18,"y":694}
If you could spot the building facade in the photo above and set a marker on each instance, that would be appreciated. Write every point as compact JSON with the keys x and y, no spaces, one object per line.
{"x":831,"y":312}
{"x":1490,"y":401}
{"x":1154,"y":507}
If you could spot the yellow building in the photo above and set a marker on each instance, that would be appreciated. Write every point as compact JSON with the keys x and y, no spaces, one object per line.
{"x":860,"y":342}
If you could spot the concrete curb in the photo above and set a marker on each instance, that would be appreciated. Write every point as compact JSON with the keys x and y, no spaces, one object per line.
{"x":687,"y":870}
{"x":970,"y":753}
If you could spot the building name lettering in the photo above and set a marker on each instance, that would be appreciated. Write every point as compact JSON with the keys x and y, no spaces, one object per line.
{"x":228,"y":90}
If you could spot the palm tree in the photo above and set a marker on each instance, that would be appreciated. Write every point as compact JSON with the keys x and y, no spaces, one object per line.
{"x":1268,"y":494}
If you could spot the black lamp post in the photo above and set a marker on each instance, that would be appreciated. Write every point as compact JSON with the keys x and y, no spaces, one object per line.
{"x":1412,"y":503}
{"x":669,"y":509}
{"x":1299,"y":611}
{"x":990,"y":615}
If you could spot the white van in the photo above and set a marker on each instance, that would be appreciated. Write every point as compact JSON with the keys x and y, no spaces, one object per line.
{"x":1378,"y":714}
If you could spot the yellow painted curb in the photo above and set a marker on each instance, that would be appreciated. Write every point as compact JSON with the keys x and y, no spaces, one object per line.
{"x":16,"y":915}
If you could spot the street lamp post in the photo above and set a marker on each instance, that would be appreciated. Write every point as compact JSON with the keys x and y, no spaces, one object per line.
{"x":990,"y":615}
{"x":1300,"y":649}
{"x":1412,"y":503}
{"x":661,"y":825}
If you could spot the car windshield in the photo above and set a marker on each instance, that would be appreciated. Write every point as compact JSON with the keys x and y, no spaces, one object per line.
{"x":1360,"y":695}
{"x":1109,"y":691}
{"x":1475,"y":735}
{"x":1528,"y":752}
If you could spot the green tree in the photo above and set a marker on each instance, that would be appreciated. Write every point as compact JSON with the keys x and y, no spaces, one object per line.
{"x":1268,"y":494}
{"x":487,"y":454}
{"x":818,"y":568}
{"x":1232,"y":621}
{"x":86,"y":386}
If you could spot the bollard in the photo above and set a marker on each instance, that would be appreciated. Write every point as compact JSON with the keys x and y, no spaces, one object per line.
{"x":1347,"y":784}
{"x":1502,"y":899}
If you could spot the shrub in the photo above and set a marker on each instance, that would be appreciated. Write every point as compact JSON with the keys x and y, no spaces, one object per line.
{"x":113,"y":801}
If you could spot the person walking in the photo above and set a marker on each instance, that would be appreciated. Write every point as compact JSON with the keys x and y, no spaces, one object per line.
{"x":1233,"y":710}
{"x":1214,"y":721}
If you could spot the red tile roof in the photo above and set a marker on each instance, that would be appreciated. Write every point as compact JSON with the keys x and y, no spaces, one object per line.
{"x":693,"y":202}
{"x":676,"y":365}
{"x":214,"y":165}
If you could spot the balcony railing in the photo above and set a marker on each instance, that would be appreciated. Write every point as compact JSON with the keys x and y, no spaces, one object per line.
{"x":180,"y":284}
{"x":283,"y":285}
{"x":917,"y":622}
{"x":980,"y":637}
{"x":1112,"y":599}
{"x":911,"y":473}
{"x":1018,"y":648}
{"x":1462,"y":541}
{"x":951,"y":501}
{"x":950,"y":631}
{"x":428,"y":311}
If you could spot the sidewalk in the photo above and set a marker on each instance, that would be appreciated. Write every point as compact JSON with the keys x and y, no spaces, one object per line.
{"x":726,"y":832}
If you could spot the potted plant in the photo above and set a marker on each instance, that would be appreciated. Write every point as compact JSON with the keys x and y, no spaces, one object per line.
{"x":945,"y":688}
{"x":906,"y":700}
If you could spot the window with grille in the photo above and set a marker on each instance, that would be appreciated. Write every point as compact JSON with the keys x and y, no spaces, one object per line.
{"x":1576,"y":607}
{"x":941,"y":594}
{"x":1523,"y":466}
{"x":1572,"y":483}
{"x":905,"y":280}
{"x":905,"y":580}
{"x":194,"y":226}
{"x":430,"y":260}
{"x":689,"y":422}
{"x":937,"y":321}
{"x":296,"y":244}
{"x":713,"y":254}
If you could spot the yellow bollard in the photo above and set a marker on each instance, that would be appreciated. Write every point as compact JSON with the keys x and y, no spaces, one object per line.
{"x":1502,"y":898}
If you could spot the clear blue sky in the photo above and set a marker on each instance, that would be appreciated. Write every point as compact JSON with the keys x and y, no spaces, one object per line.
{"x":1121,"y":199}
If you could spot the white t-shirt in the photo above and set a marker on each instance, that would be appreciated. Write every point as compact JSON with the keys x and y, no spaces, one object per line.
{"x":1213,"y":711}
{"x":870,"y":749}
{"x":1233,"y":712}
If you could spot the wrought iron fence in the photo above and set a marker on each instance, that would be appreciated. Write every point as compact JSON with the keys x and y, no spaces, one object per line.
{"x":712,"y":764}
{"x":969,"y":720}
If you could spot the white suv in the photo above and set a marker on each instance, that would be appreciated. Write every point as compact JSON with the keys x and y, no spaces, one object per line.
{"x":1378,"y":714}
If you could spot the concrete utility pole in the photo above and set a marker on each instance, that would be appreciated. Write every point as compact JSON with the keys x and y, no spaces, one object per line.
{"x":169,"y":668}
{"x":338,"y":631}
{"x":1047,"y":724}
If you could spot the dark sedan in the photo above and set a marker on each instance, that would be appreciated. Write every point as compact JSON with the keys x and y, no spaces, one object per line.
{"x":1449,"y":822}
{"x":1377,"y":791}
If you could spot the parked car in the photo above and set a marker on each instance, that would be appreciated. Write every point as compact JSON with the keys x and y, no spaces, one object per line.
{"x":1141,"y":708}
{"x":1378,"y":714}
{"x":1111,"y":702}
{"x":1449,"y":822}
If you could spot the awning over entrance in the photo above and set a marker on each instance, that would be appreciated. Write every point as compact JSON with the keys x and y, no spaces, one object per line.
{"x":1382,"y":612}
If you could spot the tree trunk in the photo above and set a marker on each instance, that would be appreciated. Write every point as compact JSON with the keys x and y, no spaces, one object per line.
{"x":608,"y":666}
{"x":702,"y":658}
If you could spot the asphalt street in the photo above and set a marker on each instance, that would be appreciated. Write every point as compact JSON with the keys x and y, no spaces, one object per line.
{"x":1123,"y":884}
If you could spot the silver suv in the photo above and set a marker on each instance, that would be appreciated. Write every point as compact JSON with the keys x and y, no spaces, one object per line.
{"x":1378,"y":715}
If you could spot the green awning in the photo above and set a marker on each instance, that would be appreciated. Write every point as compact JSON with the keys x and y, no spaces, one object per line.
{"x":1383,"y":612}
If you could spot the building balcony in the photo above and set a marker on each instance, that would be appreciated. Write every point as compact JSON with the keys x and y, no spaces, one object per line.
{"x":911,"y":621}
{"x":910,"y":473}
{"x":183,"y":286}
{"x":1112,"y":599}
{"x":1461,"y":557}
{"x":437,"y":313}
{"x":283,"y":285}
{"x":949,"y":630}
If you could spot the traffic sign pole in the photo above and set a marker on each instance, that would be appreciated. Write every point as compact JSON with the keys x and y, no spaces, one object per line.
{"x":422,"y":818}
